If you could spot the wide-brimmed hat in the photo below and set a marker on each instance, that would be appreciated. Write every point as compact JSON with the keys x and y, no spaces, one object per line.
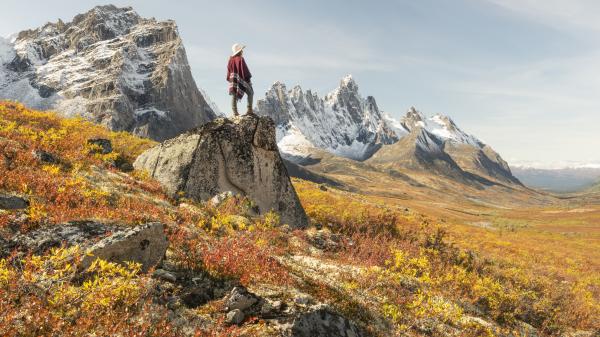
{"x":237,"y":48}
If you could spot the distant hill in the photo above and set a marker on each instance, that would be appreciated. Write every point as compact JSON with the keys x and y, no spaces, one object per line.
{"x":558,"y":180}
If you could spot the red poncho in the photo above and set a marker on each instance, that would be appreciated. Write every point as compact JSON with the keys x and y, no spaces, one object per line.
{"x":238,"y":76}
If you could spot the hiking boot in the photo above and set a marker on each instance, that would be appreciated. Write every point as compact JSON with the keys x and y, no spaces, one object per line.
{"x":249,"y":112}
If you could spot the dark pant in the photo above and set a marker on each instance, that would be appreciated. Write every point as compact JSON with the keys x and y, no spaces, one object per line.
{"x":234,"y":100}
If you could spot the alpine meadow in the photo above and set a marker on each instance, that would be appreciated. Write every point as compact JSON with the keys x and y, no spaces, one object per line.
{"x":137,"y":200}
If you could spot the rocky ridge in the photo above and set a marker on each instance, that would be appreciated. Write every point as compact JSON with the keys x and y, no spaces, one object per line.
{"x":342,"y":122}
{"x":345,"y":124}
{"x":110,"y":66}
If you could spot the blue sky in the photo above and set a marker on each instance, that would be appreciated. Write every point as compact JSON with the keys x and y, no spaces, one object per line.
{"x":522,"y":75}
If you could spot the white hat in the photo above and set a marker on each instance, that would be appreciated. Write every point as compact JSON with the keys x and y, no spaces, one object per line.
{"x":237,"y":48}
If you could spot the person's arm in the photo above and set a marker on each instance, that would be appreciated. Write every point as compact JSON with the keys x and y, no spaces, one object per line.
{"x":228,"y":70}
{"x":247,"y":73}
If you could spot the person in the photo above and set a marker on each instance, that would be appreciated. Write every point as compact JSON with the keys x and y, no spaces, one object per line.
{"x":238,"y":76}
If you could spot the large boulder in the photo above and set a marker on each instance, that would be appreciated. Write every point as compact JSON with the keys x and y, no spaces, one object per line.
{"x":145,"y":244}
{"x":239,"y":155}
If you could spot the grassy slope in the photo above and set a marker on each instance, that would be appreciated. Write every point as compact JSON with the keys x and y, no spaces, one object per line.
{"x":392,"y":263}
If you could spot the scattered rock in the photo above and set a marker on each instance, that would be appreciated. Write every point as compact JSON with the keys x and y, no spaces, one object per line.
{"x":100,"y":145}
{"x":302,"y":300}
{"x":323,"y":187}
{"x":238,"y":155}
{"x":240,"y":298}
{"x":12,"y":202}
{"x":235,"y":316}
{"x":45,"y":157}
{"x":164,"y":275}
{"x":321,"y":321}
{"x":277,"y":305}
{"x":267,"y":309}
{"x":325,"y":240}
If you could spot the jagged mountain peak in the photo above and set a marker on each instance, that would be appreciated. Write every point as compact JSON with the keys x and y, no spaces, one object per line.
{"x":348,"y":82}
{"x":440,"y":125}
{"x":343,"y":122}
{"x":413,"y":118}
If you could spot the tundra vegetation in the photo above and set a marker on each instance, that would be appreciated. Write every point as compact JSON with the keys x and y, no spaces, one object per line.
{"x":392,"y":270}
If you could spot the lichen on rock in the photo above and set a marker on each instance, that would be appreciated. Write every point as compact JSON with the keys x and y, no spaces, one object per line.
{"x":239,"y":155}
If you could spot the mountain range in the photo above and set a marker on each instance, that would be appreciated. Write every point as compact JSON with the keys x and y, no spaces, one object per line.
{"x":346,"y":124}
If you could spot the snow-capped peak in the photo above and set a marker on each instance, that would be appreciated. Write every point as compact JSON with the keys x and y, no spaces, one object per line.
{"x":439,"y":125}
{"x":343,"y":122}
{"x":348,"y":82}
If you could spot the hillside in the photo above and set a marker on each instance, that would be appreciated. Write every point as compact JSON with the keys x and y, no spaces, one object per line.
{"x":384,"y":266}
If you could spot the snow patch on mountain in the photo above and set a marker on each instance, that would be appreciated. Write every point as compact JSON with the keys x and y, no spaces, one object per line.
{"x":292,"y":142}
{"x":440,"y":125}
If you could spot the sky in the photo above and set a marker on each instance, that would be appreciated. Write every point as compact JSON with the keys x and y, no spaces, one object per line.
{"x":521,"y":75}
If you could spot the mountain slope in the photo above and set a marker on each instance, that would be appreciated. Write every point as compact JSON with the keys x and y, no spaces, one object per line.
{"x":110,"y":66}
{"x":343,"y":122}
{"x":465,"y":150}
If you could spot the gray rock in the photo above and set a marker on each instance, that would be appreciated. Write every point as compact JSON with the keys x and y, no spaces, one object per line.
{"x":302,"y":300}
{"x":241,"y":299}
{"x":145,"y":244}
{"x":164,"y":275}
{"x":321,"y":321}
{"x":235,"y":316}
{"x":45,"y":157}
{"x":12,"y":202}
{"x":104,"y":146}
{"x":277,"y":305}
{"x":238,"y":155}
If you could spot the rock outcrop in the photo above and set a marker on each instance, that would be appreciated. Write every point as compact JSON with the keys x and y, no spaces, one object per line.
{"x":145,"y":244}
{"x":12,"y":202}
{"x":110,"y":66}
{"x":238,"y":155}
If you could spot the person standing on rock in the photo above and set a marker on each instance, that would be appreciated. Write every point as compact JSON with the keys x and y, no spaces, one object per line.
{"x":238,"y":76}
